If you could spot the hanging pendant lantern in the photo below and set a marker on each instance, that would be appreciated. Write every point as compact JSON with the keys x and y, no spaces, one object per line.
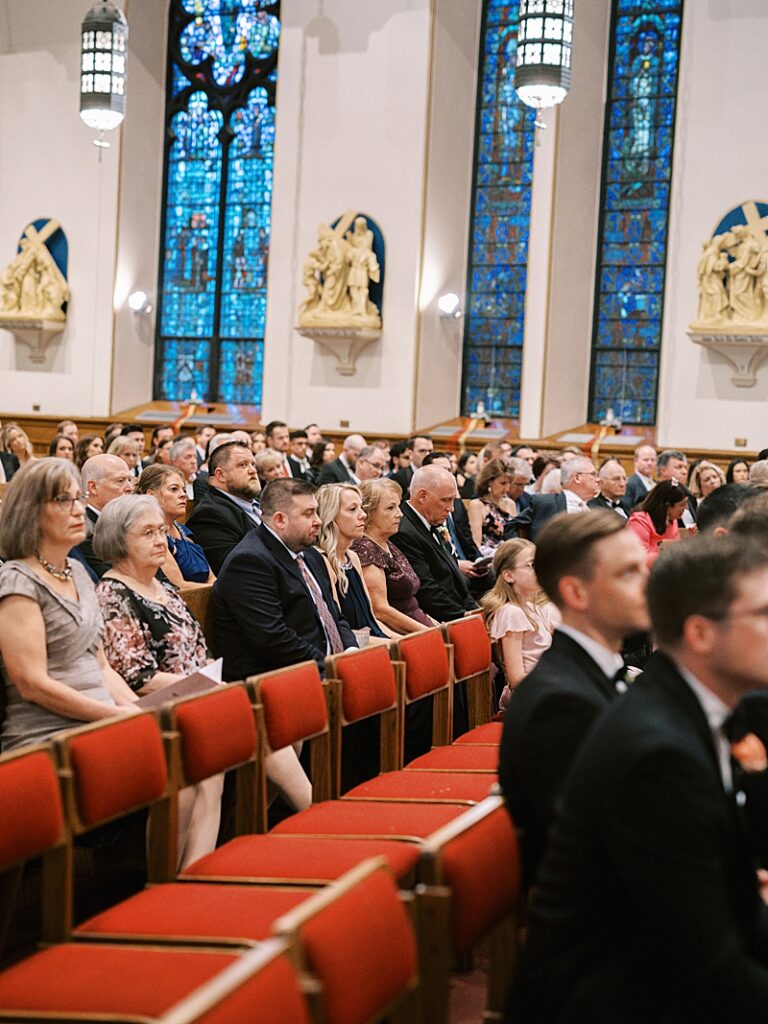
{"x":544,"y":42}
{"x":104,"y":41}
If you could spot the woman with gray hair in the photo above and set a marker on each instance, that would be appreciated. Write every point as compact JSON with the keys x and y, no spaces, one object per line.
{"x":53,"y":666}
{"x":342,"y":519}
{"x":150,"y":637}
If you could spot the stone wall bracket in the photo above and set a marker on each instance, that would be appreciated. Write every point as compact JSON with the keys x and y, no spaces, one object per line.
{"x":36,"y":334}
{"x":744,"y":349}
{"x":346,"y":343}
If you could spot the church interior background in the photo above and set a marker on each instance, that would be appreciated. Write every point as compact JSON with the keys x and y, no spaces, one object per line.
{"x":582,"y":242}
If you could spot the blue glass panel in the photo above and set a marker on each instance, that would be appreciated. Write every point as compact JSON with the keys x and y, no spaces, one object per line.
{"x":638,"y":147}
{"x":493,"y":327}
{"x":242,"y":366}
{"x":192,"y":221}
{"x":227,"y":30}
{"x":213,"y":292}
{"x":185,"y":369}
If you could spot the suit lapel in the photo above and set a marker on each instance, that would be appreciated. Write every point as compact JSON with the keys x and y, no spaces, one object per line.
{"x":439,"y":547}
{"x":568,"y":648}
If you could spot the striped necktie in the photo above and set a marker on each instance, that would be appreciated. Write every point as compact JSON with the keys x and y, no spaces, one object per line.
{"x":327,"y":619}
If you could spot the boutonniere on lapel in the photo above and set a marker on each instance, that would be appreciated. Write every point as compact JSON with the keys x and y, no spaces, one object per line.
{"x":750,"y":753}
{"x":625,"y":677}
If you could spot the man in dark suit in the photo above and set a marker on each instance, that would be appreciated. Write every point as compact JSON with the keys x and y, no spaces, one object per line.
{"x":342,"y":470}
{"x":418,"y":447}
{"x":579,"y":482}
{"x":423,"y":538}
{"x":642,"y":480}
{"x":594,"y":570}
{"x":273,"y":601}
{"x":673,"y":465}
{"x":613,"y":486}
{"x":298,"y":463}
{"x":647,"y":906}
{"x":230,"y":509}
{"x":104,"y":477}
{"x":9,"y":464}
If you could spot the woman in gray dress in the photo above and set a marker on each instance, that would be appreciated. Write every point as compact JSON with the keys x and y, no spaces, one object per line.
{"x":53,"y":666}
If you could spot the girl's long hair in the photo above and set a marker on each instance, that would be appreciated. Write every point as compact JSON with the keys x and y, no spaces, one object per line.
{"x":503,"y":592}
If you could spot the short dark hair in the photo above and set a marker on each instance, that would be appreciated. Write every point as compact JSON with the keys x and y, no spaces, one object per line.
{"x":296,"y":434}
{"x":131,"y":428}
{"x":700,"y":577}
{"x":156,"y":431}
{"x":398,"y":448}
{"x":566,"y":547}
{"x":221,"y":455}
{"x":668,"y":454}
{"x":762,"y":454}
{"x":272,"y":426}
{"x":278,"y":494}
{"x":431,"y":456}
{"x":751,"y":519}
{"x":414,"y":437}
{"x":718,"y":507}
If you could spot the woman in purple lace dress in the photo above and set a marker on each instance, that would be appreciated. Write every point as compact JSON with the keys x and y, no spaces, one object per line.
{"x":391,"y":582}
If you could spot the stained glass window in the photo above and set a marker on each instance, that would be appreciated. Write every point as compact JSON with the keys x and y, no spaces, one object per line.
{"x":501,"y":201}
{"x":220,"y":117}
{"x":637,"y":170}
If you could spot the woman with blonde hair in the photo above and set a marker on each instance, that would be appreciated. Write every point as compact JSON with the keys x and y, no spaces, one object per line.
{"x":126,"y":449}
{"x":519,"y":617}
{"x":705,"y":478}
{"x":186,"y":564}
{"x":16,"y":442}
{"x":340,"y":507}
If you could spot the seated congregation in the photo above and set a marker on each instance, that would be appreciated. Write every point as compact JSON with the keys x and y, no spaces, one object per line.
{"x":517,"y":693}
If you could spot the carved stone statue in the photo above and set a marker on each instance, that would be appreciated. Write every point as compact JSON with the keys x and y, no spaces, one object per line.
{"x":32,"y":287}
{"x":337,"y":276}
{"x":713,"y":264}
{"x":744,"y":296}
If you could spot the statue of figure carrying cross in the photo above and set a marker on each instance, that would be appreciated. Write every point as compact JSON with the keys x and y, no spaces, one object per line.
{"x":32,"y":287}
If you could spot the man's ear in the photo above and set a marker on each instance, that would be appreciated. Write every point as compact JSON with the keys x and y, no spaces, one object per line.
{"x":700,"y":634}
{"x":573,"y":593}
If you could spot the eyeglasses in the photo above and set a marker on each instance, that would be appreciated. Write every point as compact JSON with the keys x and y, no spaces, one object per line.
{"x":524,"y":565}
{"x":150,"y":532}
{"x":66,"y":501}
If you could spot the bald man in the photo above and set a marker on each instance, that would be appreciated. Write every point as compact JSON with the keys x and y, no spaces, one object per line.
{"x":342,"y":470}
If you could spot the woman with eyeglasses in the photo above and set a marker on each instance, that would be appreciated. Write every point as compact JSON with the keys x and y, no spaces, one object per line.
{"x":519,"y":617}
{"x":186,"y":564}
{"x":54,"y":670}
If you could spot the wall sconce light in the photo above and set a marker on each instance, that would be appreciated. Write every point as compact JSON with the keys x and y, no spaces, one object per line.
{"x":448,"y":305}
{"x":139,"y":303}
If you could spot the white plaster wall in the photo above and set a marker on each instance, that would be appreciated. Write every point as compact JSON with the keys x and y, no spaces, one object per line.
{"x":721,"y":155}
{"x":456,"y":31}
{"x":49,"y":168}
{"x":140,"y":200}
{"x":351,"y":123}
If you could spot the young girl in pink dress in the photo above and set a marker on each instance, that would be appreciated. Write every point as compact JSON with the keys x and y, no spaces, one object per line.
{"x":518,"y":615}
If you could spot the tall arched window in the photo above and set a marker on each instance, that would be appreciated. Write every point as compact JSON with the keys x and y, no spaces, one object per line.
{"x":220,"y":127}
{"x":501,"y":206}
{"x":637,"y":174}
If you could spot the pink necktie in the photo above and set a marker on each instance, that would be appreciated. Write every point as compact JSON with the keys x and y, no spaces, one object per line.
{"x":328,"y":621}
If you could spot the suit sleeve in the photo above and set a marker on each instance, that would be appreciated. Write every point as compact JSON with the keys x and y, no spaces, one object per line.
{"x":534,"y":761}
{"x":252,"y":597}
{"x":664,"y":835}
{"x":435,"y":600}
{"x":216,"y":534}
{"x":520,"y":526}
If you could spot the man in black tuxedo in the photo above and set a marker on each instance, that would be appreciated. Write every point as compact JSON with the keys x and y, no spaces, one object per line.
{"x":612,"y":479}
{"x":594,"y":571}
{"x":418,"y":447}
{"x":342,"y":470}
{"x":579,"y":482}
{"x":647,"y":906}
{"x":230,"y":508}
{"x":104,"y":477}
{"x":642,"y":480}
{"x":424,"y":540}
{"x":273,"y":601}
{"x":298,"y":463}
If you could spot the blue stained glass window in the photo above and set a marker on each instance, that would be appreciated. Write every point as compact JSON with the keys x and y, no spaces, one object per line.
{"x":639,"y":134}
{"x":220,"y":116}
{"x":493,"y":327}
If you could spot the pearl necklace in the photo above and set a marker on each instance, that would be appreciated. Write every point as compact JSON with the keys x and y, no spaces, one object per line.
{"x":58,"y":574}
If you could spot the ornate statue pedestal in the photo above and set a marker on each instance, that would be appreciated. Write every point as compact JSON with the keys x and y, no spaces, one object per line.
{"x":37,"y":334}
{"x":745,"y":346}
{"x":346,"y":343}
